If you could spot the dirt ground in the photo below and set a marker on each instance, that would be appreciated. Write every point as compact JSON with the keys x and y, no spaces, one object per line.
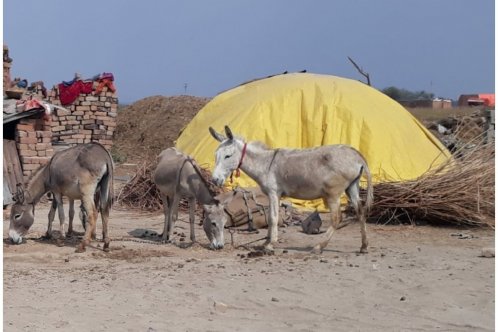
{"x":413,"y":279}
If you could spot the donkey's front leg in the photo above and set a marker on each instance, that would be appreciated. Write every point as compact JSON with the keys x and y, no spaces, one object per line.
{"x":272,"y":222}
{"x":51,"y":216}
{"x":166,"y":206}
{"x":172,"y":213}
{"x":62,"y":217}
{"x":191,"y":210}
{"x":71,"y":218}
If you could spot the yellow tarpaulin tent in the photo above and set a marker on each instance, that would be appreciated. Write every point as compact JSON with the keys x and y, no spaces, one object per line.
{"x":306,"y":110}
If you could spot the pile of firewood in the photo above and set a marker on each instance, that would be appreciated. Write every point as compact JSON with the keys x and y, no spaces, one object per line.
{"x":141,"y":192}
{"x":461,"y":192}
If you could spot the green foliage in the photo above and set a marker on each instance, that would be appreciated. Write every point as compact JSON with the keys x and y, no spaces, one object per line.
{"x":406,"y":95}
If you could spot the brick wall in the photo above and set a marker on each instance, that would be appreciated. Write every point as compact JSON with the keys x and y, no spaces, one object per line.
{"x":90,"y":118}
{"x":33,"y":141}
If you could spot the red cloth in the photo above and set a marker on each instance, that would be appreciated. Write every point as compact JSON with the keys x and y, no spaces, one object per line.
{"x":68,"y":94}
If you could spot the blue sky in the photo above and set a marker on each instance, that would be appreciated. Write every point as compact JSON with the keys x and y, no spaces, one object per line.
{"x":154,"y":47}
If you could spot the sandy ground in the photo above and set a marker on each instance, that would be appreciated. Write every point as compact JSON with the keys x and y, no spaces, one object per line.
{"x":412,"y":279}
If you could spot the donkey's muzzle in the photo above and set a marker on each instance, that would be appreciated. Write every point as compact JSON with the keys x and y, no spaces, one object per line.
{"x":15,"y":237}
{"x":218,"y":181}
{"x":216,"y":246}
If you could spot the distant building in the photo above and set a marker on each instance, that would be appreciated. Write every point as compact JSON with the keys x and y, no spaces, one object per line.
{"x":481,"y":99}
{"x":427,"y":103}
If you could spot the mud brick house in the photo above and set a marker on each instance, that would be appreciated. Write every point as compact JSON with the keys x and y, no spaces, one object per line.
{"x":39,"y":123}
{"x":26,"y":146}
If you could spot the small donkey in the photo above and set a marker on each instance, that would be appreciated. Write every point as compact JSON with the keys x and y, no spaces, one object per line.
{"x":178,"y":176}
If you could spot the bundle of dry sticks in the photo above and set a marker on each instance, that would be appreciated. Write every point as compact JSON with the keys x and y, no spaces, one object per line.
{"x":141,"y":192}
{"x":460,"y":192}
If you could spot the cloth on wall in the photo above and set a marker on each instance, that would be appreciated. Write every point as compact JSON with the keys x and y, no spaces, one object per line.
{"x":69,"y":93}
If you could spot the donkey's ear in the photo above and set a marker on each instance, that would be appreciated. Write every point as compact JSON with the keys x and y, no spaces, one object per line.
{"x":19,"y":196}
{"x":228,"y":132}
{"x":217,"y":136}
{"x":226,"y":198}
{"x":225,"y":202}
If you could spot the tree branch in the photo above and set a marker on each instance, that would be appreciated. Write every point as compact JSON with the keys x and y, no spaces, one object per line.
{"x":360,"y":70}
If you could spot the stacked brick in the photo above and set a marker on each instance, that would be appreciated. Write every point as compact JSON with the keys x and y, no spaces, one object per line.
{"x":90,"y":118}
{"x":7,"y":63}
{"x":33,"y":141}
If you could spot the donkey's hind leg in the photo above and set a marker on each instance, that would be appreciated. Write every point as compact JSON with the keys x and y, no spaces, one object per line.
{"x":334,"y":204}
{"x":104,"y":215}
{"x":353,"y":192}
{"x":89,"y":206}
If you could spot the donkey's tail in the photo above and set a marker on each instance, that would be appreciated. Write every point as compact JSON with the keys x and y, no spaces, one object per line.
{"x":370,"y":196}
{"x":106,"y":185}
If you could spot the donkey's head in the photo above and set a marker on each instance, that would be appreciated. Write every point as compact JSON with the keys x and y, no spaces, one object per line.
{"x":21,"y":216}
{"x":227,"y":156}
{"x":214,"y":223}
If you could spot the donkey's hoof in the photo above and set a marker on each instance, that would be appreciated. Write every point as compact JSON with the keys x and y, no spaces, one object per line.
{"x":106,"y":245}
{"x":164,"y":241}
{"x":47,"y":236}
{"x":317,"y":250}
{"x":80,"y":249}
{"x":60,"y":242}
{"x":268,"y":247}
{"x":363,"y":250}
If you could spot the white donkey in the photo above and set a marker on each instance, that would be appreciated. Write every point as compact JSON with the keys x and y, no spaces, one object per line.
{"x":178,"y":176}
{"x":322,"y":172}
